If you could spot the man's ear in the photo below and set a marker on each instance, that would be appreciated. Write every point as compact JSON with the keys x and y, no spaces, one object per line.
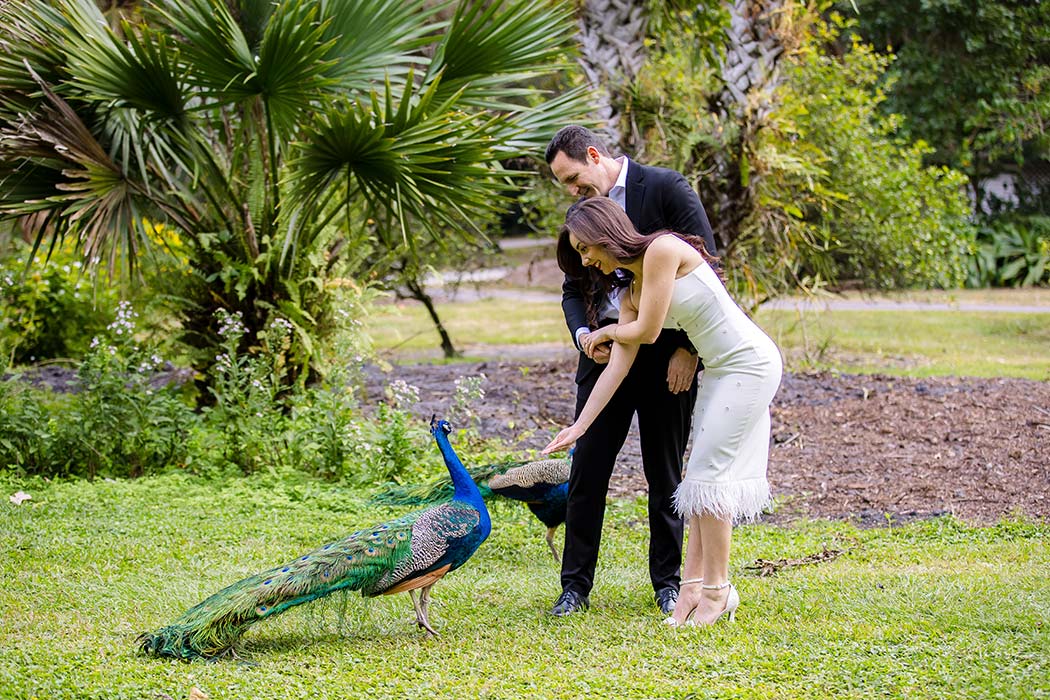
{"x":593,"y":155}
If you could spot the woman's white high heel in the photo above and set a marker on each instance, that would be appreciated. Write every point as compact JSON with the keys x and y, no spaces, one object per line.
{"x":684,"y":582}
{"x":732,"y":601}
{"x":729,"y":612}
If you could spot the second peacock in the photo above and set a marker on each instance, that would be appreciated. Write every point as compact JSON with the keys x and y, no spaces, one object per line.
{"x":407,"y":554}
{"x":541,"y":485}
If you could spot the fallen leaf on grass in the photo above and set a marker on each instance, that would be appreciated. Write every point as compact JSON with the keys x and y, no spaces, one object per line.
{"x":767,"y":567}
{"x":20,"y":497}
{"x":197,"y":694}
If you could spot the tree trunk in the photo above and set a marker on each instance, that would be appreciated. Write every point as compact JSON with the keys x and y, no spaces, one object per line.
{"x":420,"y":294}
{"x":612,"y":51}
{"x":750,"y":78}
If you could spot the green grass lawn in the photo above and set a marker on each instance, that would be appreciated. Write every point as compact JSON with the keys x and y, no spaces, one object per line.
{"x":493,"y":321}
{"x":916,"y":343}
{"x":924,"y":343}
{"x":935,"y":609}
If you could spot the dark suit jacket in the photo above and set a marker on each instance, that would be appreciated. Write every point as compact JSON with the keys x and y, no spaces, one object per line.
{"x":657,"y":198}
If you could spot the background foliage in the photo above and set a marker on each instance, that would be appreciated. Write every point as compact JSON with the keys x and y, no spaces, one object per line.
{"x":971,"y":78}
{"x":829,"y":190}
{"x":49,"y":308}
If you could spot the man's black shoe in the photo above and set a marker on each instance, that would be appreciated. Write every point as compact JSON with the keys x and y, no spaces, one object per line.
{"x":568,"y":603}
{"x":666,"y":598}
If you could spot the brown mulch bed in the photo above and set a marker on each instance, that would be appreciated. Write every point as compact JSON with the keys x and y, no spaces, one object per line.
{"x":871,"y":448}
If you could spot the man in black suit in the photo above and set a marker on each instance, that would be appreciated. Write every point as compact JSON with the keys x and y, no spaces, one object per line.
{"x":660,"y":388}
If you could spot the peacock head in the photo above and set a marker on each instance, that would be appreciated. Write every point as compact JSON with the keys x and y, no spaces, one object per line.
{"x":443,"y":425}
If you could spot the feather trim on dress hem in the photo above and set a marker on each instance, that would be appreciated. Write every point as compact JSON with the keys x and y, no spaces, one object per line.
{"x":735,"y":500}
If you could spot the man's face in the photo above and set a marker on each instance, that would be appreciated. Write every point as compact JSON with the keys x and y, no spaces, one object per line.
{"x":580,"y":179}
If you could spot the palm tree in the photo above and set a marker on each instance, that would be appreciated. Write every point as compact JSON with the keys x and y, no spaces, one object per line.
{"x":612,"y":51}
{"x":750,"y":76}
{"x":266,"y":141}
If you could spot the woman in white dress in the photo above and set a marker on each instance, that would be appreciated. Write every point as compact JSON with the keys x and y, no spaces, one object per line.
{"x":675,"y":285}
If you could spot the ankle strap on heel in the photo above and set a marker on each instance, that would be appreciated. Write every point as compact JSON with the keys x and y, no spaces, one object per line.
{"x":687,"y":581}
{"x":716,"y":587}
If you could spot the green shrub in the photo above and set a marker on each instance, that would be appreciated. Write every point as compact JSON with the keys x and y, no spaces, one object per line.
{"x":324,"y":427}
{"x":121,"y":423}
{"x":48,"y":310}
{"x":1012,"y":252}
{"x":820,"y":188}
{"x":876,"y":213}
{"x":24,"y":424}
{"x":245,"y":388}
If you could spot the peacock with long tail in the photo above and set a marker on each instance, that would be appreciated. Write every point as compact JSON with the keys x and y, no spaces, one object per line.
{"x":542,"y":485}
{"x":407,"y":554}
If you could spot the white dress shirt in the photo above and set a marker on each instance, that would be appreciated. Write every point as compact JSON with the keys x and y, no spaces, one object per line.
{"x":618,"y":194}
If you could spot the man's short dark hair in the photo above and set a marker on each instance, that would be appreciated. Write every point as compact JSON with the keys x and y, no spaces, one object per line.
{"x":573,"y":141}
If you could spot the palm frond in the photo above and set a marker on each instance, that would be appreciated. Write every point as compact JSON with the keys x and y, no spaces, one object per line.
{"x":93,"y":197}
{"x":223,"y":63}
{"x":252,"y":17}
{"x":29,"y":33}
{"x":491,"y":50}
{"x":527,"y":131}
{"x":139,"y":70}
{"x":414,"y":162}
{"x":291,"y":63}
{"x":376,"y":40}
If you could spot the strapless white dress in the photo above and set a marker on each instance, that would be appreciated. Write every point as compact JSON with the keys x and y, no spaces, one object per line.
{"x":726,"y":472}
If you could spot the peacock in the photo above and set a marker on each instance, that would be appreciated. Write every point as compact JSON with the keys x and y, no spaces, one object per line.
{"x":409,"y":553}
{"x":542,"y":485}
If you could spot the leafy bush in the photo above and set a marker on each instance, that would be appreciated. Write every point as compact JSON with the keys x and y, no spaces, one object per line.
{"x":49,"y":311}
{"x":23,"y":423}
{"x":821,"y":188}
{"x":245,"y":387}
{"x":342,"y":442}
{"x":1012,"y":252}
{"x":122,"y":422}
{"x":876,"y":213}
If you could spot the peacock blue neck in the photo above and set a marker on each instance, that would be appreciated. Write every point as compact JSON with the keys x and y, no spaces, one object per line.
{"x":464,"y":487}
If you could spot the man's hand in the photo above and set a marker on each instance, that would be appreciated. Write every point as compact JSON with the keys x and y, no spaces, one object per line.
{"x":681,"y":370}
{"x":597,"y":345}
{"x":602,"y":353}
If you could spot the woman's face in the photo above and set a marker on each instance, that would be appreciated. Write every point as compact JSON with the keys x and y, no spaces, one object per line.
{"x":594,"y":255}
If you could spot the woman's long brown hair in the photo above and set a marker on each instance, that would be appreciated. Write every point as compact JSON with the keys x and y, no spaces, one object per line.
{"x":599,"y":221}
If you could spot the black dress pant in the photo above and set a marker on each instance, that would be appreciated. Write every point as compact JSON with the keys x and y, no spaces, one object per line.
{"x":663,"y":422}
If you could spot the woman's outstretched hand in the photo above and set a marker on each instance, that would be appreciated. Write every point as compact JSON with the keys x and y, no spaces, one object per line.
{"x":563,"y":440}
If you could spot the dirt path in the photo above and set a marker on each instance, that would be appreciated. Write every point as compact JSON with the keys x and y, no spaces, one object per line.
{"x":865,"y":447}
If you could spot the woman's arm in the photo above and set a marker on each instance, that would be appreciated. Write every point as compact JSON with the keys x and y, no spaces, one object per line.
{"x":612,"y":376}
{"x":659,"y":269}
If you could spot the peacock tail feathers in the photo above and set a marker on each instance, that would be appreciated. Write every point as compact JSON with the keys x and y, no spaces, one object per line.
{"x":357,"y":562}
{"x":492,"y":479}
{"x":370,"y":561}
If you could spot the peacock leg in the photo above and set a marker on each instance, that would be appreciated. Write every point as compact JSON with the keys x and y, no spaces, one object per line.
{"x":424,"y":601}
{"x":421,"y":609}
{"x":550,"y":543}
